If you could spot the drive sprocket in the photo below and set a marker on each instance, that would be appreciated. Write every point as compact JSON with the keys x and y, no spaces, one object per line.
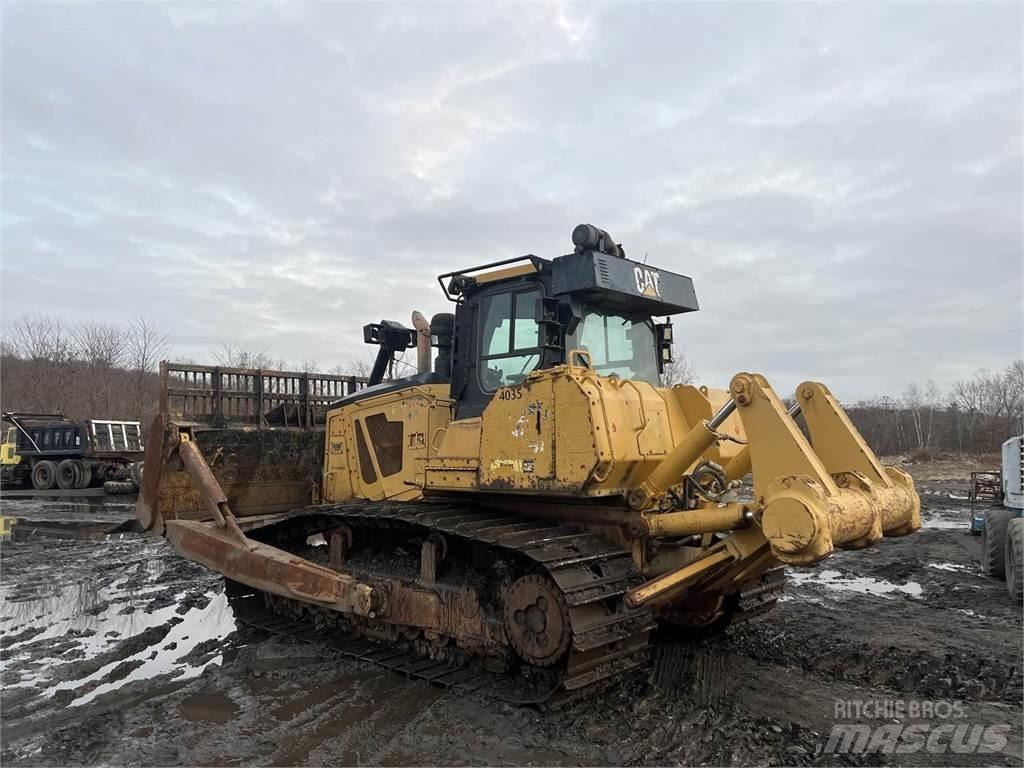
{"x":537,"y":620}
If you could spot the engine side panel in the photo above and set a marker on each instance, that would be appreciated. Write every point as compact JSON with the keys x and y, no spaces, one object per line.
{"x":568,"y":432}
{"x":376,"y":448}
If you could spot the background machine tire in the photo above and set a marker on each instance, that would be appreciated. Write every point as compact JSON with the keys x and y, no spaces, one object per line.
{"x":993,"y":542}
{"x":44,"y":475}
{"x":119,"y":486}
{"x":135,"y":472}
{"x":69,"y":475}
{"x":1014,"y":558}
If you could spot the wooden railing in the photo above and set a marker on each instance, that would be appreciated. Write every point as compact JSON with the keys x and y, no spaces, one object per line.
{"x":219,"y":396}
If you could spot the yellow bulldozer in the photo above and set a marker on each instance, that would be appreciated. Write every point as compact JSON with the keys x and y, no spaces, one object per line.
{"x":531,"y":504}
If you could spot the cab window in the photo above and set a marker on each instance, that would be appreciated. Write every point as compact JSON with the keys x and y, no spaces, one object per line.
{"x":617,"y":345}
{"x":509,"y":338}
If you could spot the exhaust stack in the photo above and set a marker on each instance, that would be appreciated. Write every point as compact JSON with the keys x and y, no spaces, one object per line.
{"x":419,"y":322}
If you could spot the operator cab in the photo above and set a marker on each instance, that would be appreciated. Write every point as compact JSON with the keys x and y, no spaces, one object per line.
{"x":510,"y":340}
{"x":527,"y":313}
{"x":520,"y":315}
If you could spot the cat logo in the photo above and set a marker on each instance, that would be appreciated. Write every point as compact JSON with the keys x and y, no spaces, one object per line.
{"x":648,"y":282}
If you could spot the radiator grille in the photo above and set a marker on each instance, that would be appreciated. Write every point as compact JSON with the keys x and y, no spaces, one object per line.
{"x":386,"y":437}
{"x":365,"y":463}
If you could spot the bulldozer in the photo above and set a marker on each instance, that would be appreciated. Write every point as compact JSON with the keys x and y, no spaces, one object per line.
{"x":532,"y":504}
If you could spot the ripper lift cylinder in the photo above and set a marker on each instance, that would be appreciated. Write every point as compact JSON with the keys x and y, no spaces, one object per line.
{"x":672,"y":467}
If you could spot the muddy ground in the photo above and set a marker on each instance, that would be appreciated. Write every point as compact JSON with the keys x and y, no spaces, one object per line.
{"x":116,"y":652}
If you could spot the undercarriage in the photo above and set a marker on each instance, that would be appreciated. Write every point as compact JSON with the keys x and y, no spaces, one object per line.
{"x":523,"y":608}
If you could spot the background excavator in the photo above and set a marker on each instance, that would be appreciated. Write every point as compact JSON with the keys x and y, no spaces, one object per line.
{"x":532,"y":505}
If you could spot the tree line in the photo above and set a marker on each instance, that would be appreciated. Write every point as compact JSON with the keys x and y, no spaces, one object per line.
{"x":87,"y":369}
{"x":975,"y":415}
{"x":91,"y":369}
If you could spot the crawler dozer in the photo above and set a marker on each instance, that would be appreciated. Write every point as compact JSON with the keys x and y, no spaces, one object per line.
{"x":532,"y":504}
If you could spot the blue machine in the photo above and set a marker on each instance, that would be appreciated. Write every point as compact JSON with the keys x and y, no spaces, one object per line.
{"x":1002,"y":487}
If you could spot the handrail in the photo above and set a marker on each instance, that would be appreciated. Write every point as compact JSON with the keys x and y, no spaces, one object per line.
{"x":537,"y":261}
{"x":218,"y":395}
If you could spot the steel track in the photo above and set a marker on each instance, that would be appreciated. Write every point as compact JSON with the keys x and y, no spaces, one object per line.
{"x":609,"y":640}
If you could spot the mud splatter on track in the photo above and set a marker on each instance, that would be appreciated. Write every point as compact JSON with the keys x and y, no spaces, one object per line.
{"x":115,"y":651}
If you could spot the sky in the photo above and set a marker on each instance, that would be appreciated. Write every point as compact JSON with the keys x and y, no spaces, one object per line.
{"x":843,"y":182}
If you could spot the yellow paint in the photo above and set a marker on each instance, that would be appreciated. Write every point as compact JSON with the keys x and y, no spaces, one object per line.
{"x":566,"y":433}
{"x":395,"y":469}
{"x":9,"y":447}
{"x":503,"y":274}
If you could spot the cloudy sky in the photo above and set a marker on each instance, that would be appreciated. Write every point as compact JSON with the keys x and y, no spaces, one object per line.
{"x":843,"y":182}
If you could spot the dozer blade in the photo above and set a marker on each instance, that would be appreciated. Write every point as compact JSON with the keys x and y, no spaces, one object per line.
{"x":258,"y":472}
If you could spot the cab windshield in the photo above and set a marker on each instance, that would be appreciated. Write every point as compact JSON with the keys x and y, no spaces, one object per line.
{"x":617,"y":345}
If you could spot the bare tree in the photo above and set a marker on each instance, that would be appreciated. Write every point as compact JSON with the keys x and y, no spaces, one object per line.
{"x":100,"y":344}
{"x":82,"y":371}
{"x":147,"y":344}
{"x":232,"y":355}
{"x":932,"y":402}
{"x":361,"y":368}
{"x":1015,"y":390}
{"x":40,"y":337}
{"x":913,"y":401}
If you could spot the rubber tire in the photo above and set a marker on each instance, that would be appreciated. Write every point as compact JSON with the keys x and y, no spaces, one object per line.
{"x":115,"y":487}
{"x":44,"y":475}
{"x":1015,"y":559}
{"x":69,"y":474}
{"x":86,"y":476}
{"x":993,"y":543}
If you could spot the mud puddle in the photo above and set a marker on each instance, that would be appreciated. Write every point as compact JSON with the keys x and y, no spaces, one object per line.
{"x":25,"y":528}
{"x":68,"y":508}
{"x":208,"y":707}
{"x":836,"y":581}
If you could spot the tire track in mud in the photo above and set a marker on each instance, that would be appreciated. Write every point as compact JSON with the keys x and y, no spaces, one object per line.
{"x":354,"y":712}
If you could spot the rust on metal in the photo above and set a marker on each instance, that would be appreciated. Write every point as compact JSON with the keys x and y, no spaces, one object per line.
{"x":147,"y":507}
{"x":340,"y":542}
{"x":267,"y":568}
{"x":432,"y":552}
{"x":207,"y":485}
